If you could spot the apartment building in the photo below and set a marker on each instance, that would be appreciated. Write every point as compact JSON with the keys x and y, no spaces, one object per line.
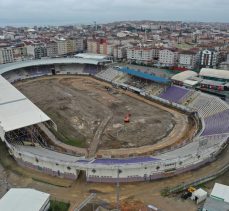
{"x":62,"y":47}
{"x":80,"y":46}
{"x":168,"y":57}
{"x":19,"y":53}
{"x":208,"y":58}
{"x":119,"y":53}
{"x":37,"y":50}
{"x":100,"y":46}
{"x":52,"y":49}
{"x":187,"y":59}
{"x":92,"y":46}
{"x":6,"y":55}
{"x":140,"y":55}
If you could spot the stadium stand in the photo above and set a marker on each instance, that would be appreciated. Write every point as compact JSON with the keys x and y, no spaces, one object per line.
{"x":174,"y":94}
{"x":214,"y":112}
{"x":91,"y":69}
{"x":217,"y":123}
{"x":109,"y":74}
{"x":70,"y":69}
{"x":124,"y":161}
{"x":208,"y":105}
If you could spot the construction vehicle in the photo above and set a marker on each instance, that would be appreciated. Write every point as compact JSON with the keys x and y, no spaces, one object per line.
{"x":127,"y":118}
{"x":191,"y":189}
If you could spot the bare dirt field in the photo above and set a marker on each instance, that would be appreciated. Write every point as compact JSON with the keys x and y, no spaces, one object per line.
{"x":83,"y":108}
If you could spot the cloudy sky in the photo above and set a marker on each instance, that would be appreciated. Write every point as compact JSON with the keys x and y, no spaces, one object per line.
{"x":44,"y":12}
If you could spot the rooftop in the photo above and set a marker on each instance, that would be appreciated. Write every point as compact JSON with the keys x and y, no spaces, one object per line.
{"x":23,"y":199}
{"x":17,"y":65}
{"x":214,"y":73}
{"x":184,"y":75}
{"x":16,"y":111}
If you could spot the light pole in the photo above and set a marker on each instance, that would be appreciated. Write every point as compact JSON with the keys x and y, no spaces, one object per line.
{"x":118,"y":189}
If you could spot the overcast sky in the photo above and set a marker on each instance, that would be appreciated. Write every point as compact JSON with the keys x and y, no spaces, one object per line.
{"x":44,"y":12}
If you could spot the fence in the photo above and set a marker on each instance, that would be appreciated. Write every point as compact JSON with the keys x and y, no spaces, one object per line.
{"x":197,"y":182}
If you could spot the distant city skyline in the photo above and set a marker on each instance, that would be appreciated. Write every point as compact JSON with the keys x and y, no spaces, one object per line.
{"x":57,"y":12}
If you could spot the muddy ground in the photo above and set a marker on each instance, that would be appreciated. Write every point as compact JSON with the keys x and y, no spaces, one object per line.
{"x":78,"y":105}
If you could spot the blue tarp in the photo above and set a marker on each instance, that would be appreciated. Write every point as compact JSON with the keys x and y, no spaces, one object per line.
{"x":144,"y":75}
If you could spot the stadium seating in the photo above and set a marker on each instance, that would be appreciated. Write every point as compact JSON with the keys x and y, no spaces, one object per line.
{"x":108,"y":161}
{"x":70,"y":69}
{"x":91,"y":69}
{"x":109,"y":74}
{"x":217,"y":123}
{"x":208,"y":105}
{"x":174,"y":94}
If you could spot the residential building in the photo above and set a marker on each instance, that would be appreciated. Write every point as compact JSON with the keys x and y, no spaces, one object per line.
{"x":92,"y":46}
{"x":19,"y":53}
{"x":168,"y":57}
{"x":140,"y":55}
{"x":208,"y":58}
{"x":119,"y":53}
{"x":52,"y":49}
{"x":62,"y":47}
{"x":187,"y":59}
{"x":37,"y":50}
{"x":6,"y":55}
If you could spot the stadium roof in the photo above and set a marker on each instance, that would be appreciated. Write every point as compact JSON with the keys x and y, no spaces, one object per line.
{"x":91,"y":56}
{"x":16,"y":111}
{"x":23,"y":199}
{"x":214,"y":73}
{"x":144,"y":75}
{"x":184,"y":75}
{"x":12,"y":66}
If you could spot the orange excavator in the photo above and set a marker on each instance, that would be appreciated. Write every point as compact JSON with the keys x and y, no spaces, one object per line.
{"x":127,"y":118}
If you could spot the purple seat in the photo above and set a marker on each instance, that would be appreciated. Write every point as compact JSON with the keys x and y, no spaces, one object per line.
{"x":217,"y":124}
{"x":110,"y":161}
{"x":174,"y":94}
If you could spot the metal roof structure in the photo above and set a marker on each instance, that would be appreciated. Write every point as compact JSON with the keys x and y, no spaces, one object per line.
{"x":17,"y":111}
{"x":212,"y":204}
{"x":29,"y":63}
{"x":23,"y":199}
{"x":184,"y":75}
{"x":144,"y":75}
{"x":214,"y":73}
{"x":91,"y":56}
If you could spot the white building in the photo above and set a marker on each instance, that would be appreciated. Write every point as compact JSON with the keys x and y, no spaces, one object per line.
{"x":187,"y":59}
{"x":61,"y":47}
{"x":23,"y":199}
{"x":140,"y":55}
{"x":168,"y":57}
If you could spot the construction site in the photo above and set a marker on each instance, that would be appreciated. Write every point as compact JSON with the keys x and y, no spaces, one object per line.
{"x":109,"y":132}
{"x":83,"y":108}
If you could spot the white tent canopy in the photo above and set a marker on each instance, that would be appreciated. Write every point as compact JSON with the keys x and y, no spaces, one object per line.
{"x":17,"y":111}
